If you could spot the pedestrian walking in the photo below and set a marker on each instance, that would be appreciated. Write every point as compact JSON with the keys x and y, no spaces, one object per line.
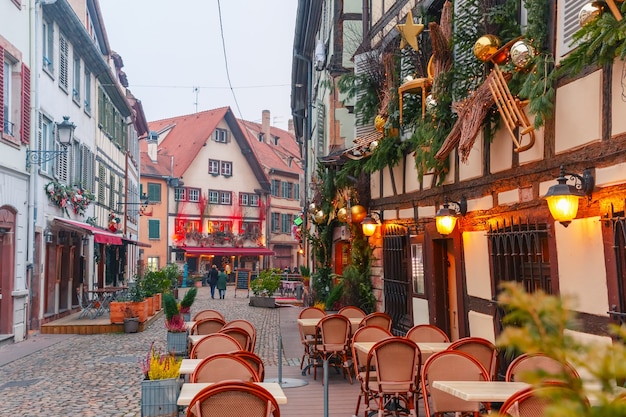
{"x":222,"y":278}
{"x":213,"y":278}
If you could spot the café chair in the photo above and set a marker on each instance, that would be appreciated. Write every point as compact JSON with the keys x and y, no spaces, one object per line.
{"x":427,"y":333}
{"x":307,"y":335}
{"x":533,"y":401}
{"x":207,"y":326}
{"x":450,"y":365}
{"x":334,"y":334}
{"x":241,"y":336}
{"x":87,"y":305}
{"x":359,"y":361}
{"x":254,"y":361}
{"x":223,"y":366}
{"x":526,"y":366}
{"x":480,"y":349}
{"x":233,"y":399}
{"x":212,"y":344}
{"x":352,"y":312}
{"x":208,"y":314}
{"x":397,"y":362}
{"x":377,"y":319}
{"x":245,"y":325}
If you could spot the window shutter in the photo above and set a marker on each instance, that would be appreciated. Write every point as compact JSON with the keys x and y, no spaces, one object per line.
{"x":62,"y":161}
{"x":2,"y":87}
{"x":361,"y":63}
{"x":25,"y":130}
{"x":569,"y":18}
{"x":63,"y":61}
{"x":101,"y":183}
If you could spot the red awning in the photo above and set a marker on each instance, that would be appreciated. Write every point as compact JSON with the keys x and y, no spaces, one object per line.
{"x":99,"y":235}
{"x":228,"y":251}
{"x":136,"y":242}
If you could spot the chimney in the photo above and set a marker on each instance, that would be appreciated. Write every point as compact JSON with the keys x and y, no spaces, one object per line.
{"x":153,"y":141}
{"x":265,"y":125}
{"x":290,"y":127}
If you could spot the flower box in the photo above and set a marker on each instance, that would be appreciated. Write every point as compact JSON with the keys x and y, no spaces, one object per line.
{"x":150,"y":306}
{"x":158,"y":397}
{"x":140,"y":309}
{"x":116,"y":311}
{"x":267,"y":302}
{"x":158,"y":301}
{"x":177,"y":343}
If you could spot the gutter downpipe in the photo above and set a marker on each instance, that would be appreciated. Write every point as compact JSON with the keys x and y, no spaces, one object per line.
{"x":307,"y":143}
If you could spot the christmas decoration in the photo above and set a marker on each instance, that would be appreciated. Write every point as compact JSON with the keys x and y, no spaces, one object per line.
{"x":522,"y":53}
{"x":65,"y":196}
{"x":312,"y":208}
{"x":431,"y":104}
{"x":590,"y":12}
{"x":342,"y":215}
{"x":409,"y":32}
{"x":486,"y":46}
{"x":358,"y":213}
{"x":379,"y":123}
{"x":319,"y":217}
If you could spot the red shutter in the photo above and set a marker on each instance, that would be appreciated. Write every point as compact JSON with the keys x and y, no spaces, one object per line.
{"x":25,"y":131}
{"x":1,"y":90}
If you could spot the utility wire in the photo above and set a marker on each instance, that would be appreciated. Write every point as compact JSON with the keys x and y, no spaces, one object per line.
{"x":219,"y":10}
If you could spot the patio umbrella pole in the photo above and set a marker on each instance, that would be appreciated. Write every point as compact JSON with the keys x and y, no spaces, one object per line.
{"x":280,"y":358}
{"x":287,"y":382}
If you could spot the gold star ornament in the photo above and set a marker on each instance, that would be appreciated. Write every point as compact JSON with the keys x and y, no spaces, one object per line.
{"x":409,"y":32}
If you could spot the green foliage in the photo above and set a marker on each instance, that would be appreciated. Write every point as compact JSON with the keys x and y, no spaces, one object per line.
{"x":333,"y":301}
{"x":170,"y":307}
{"x":171,"y":277}
{"x":305,"y":271}
{"x":322,"y":282}
{"x":152,"y":282}
{"x":598,"y":43}
{"x":537,"y":323}
{"x":189,"y":298}
{"x":388,"y":153}
{"x":135,"y":292}
{"x":267,"y":283}
{"x":367,"y":103}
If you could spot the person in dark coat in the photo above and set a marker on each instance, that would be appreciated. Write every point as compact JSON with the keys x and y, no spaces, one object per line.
{"x":222,"y":278}
{"x":213,"y":273}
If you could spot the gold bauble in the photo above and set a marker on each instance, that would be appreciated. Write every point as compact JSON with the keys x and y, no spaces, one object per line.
{"x":319,"y":217}
{"x":486,"y":46}
{"x":358,"y":213}
{"x":312,"y":208}
{"x":590,"y":12}
{"x":379,"y":122}
{"x":342,"y":215}
{"x":522,"y":53}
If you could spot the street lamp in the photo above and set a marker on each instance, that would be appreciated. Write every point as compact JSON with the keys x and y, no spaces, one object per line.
{"x":446,"y":217}
{"x":563,"y":198}
{"x":65,"y":134}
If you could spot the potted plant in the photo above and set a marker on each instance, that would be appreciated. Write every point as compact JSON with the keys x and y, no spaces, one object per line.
{"x":186,"y":302}
{"x":264,"y":286}
{"x":170,"y":280}
{"x":138,"y":302}
{"x":176,"y":327}
{"x":131,"y":321}
{"x":160,"y":387}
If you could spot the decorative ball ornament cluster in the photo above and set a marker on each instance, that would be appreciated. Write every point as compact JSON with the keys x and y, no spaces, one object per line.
{"x":312,"y":208}
{"x":522,"y":53}
{"x":486,"y":46}
{"x":379,"y":123}
{"x":319,"y":217}
{"x":590,"y":12}
{"x":431,"y":104}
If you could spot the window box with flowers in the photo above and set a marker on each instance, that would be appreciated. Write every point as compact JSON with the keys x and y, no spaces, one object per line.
{"x":68,"y":197}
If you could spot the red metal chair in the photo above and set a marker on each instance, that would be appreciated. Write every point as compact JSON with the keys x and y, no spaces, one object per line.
{"x":233,"y":399}
{"x":480,"y":349}
{"x":377,"y":319}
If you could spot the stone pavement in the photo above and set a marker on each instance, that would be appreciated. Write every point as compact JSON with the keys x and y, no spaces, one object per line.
{"x":99,"y":375}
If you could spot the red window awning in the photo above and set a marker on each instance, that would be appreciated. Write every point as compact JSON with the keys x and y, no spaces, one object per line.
{"x":228,"y":251}
{"x":99,"y":235}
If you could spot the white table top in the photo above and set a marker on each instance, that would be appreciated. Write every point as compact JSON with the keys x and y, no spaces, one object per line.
{"x":194,"y":338}
{"x":188,"y":366}
{"x":189,"y":390}
{"x":482,"y":391}
{"x":190,"y":324}
{"x":313,"y":322}
{"x":425,"y":347}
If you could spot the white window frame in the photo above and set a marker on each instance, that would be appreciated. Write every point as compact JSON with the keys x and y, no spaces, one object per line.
{"x":193,"y":194}
{"x":214,"y":197}
{"x":76,"y":81}
{"x":47,"y":143}
{"x":8,"y":127}
{"x":226,"y":198}
{"x":226,"y":168}
{"x":254,"y":200}
{"x":87,"y":101}
{"x":243,"y":199}
{"x":214,"y":167}
{"x":180,"y":194}
{"x":47,"y":51}
{"x":221,"y":135}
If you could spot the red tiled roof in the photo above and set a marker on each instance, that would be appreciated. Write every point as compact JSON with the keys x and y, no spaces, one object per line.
{"x":274,"y":156}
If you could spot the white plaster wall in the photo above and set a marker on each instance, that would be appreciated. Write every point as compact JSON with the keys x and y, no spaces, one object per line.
{"x":473,"y":168}
{"x":476,"y":252}
{"x":483,"y":203}
{"x":599,"y":343}
{"x":410,"y":174}
{"x":618,"y":98}
{"x":375,"y":185}
{"x":578,"y":116}
{"x":509,"y":197}
{"x":611,"y":175}
{"x":387,"y":190}
{"x":426,"y":212}
{"x":501,"y":155}
{"x":449,"y":179}
{"x":481,"y":325}
{"x":420,"y":311}
{"x":346,"y":125}
{"x":536,"y":152}
{"x":405,"y":213}
{"x":582,"y":271}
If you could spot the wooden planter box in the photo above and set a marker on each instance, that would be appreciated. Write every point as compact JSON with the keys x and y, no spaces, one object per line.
{"x":267,"y":302}
{"x":158,"y":299}
{"x":116,"y":311}
{"x":150,"y":306}
{"x":140,"y":309}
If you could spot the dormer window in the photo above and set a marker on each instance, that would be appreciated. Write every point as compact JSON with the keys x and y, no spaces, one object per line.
{"x":261,"y":137}
{"x":221,"y":135}
{"x":276,"y":138}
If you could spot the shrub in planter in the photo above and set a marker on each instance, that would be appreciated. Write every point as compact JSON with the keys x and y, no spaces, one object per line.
{"x":175,"y":325}
{"x":267,"y":283}
{"x":187,"y":301}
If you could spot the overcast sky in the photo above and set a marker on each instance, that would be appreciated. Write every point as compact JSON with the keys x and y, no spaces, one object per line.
{"x":170,"y":47}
